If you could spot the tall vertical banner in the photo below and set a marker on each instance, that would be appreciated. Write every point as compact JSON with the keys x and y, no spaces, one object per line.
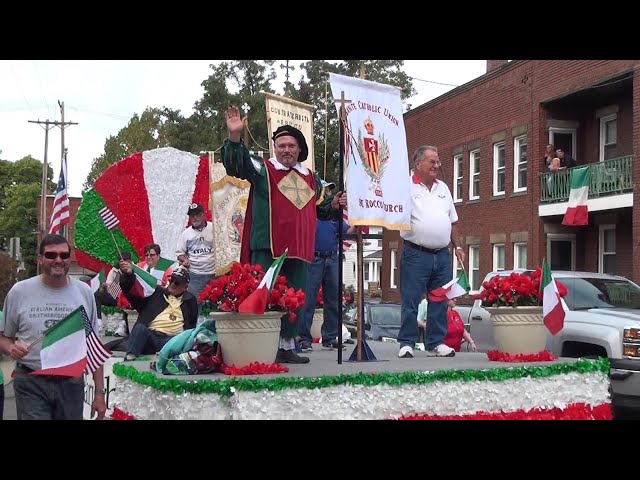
{"x":285,"y":111}
{"x":229,"y":196}
{"x":376,"y":166}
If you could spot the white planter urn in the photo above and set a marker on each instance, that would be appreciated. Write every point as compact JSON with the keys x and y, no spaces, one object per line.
{"x":518,"y":330}
{"x":247,"y":338}
{"x":316,"y":325}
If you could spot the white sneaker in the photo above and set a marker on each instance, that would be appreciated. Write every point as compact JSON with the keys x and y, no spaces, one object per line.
{"x":441,"y":351}
{"x":120,"y":331}
{"x":405,"y":352}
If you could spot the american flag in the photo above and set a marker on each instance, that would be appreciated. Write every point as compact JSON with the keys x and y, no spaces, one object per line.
{"x":60,"y":212}
{"x":109,"y":219}
{"x":96,"y":353}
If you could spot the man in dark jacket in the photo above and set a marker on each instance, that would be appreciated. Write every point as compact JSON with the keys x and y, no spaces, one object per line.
{"x":162,"y":315}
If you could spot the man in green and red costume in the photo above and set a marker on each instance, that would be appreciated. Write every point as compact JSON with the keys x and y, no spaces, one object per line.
{"x":285,"y":200}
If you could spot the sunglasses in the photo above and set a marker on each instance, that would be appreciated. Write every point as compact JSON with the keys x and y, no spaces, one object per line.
{"x":177,"y":282}
{"x":150,"y":254}
{"x":54,"y":255}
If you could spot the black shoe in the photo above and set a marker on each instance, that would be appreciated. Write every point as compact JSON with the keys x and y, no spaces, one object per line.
{"x":333,"y":345}
{"x":305,"y":346}
{"x":350,"y":341}
{"x":289,"y":356}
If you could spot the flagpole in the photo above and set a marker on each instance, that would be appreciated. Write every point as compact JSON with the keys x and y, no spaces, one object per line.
{"x":116,"y":244}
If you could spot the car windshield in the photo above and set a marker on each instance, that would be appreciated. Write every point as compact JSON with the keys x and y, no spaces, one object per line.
{"x":385,"y":315}
{"x":587,"y":293}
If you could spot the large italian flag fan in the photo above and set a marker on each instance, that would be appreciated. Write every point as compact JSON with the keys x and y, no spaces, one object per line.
{"x":141,"y":199}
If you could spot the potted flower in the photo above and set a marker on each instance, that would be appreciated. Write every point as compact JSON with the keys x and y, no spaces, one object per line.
{"x":247,"y":338}
{"x":515,"y":304}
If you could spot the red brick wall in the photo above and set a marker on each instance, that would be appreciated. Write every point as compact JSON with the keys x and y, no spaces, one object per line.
{"x":498,"y":101}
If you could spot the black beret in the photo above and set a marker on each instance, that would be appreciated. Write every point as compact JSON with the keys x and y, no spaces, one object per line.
{"x":295,"y":133}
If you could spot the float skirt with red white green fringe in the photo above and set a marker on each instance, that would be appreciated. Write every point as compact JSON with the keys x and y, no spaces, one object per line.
{"x":560,"y":390}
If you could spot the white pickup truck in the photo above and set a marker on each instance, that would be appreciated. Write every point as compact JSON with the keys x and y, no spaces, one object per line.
{"x":603,"y":320}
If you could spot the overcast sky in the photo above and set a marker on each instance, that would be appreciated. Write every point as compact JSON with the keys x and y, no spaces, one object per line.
{"x":102,"y":96}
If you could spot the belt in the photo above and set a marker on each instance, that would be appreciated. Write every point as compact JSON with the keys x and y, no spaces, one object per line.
{"x":423,"y":249}
{"x":325,"y":254}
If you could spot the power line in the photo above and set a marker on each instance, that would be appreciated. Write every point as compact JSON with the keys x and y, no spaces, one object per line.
{"x":437,"y":83}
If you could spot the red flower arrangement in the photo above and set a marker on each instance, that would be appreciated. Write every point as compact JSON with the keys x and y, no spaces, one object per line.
{"x":226,"y":293}
{"x":515,"y":290}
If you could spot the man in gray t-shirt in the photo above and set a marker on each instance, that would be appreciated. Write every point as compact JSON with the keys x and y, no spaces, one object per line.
{"x":31,"y":307}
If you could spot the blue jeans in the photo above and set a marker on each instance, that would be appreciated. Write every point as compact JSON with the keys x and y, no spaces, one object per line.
{"x":143,"y":341}
{"x":45,"y":397}
{"x":197,"y":282}
{"x":323,"y":271}
{"x":421,"y":272}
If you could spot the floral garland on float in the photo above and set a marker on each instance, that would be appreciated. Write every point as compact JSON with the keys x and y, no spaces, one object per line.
{"x":562,"y":390}
{"x":148,"y":194}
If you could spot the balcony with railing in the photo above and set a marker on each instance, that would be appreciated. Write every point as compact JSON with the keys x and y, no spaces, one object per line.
{"x":610,"y":177}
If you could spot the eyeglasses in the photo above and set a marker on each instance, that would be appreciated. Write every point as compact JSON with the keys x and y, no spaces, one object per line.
{"x":54,"y":255}
{"x":150,"y":254}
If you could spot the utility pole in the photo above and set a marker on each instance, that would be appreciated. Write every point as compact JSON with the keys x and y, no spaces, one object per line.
{"x":64,"y":231}
{"x":48,"y":125}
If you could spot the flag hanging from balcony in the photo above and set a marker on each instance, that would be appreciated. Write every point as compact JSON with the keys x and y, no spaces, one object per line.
{"x":577,"y":212}
{"x":60,"y":209}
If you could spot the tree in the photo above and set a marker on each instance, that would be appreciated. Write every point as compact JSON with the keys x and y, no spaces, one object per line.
{"x":314,"y":90}
{"x":144,"y":132}
{"x":8,"y":275}
{"x":20,"y":219}
{"x":205,"y":129}
{"x":247,"y":78}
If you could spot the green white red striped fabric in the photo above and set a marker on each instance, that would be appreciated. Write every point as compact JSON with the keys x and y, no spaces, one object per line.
{"x":256,"y":302}
{"x":454,"y":289}
{"x":577,"y":212}
{"x":144,"y":284}
{"x":64,"y":347}
{"x":139,"y":200}
{"x":552,"y":304}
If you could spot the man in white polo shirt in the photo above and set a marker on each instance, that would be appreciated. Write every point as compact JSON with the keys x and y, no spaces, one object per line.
{"x":426,"y":263}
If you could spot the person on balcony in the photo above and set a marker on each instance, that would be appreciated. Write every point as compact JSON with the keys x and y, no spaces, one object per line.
{"x":566,"y":160}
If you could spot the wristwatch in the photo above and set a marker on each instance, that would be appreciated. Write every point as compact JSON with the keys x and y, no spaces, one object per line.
{"x":459,"y":248}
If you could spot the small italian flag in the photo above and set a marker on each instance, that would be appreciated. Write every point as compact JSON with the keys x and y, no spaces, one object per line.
{"x":64,"y":347}
{"x":257,"y":301}
{"x":97,"y":281}
{"x":552,"y":304}
{"x":455,"y":288}
{"x":577,"y":212}
{"x":144,"y":284}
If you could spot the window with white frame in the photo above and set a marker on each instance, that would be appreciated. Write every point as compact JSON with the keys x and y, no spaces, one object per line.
{"x":607,"y":249}
{"x":474,"y":174}
{"x":498,"y":257}
{"x":520,"y":164}
{"x":608,"y":137}
{"x":457,"y":178}
{"x":393,"y":274}
{"x":498,"y":168}
{"x":474,"y":268}
{"x":519,"y":256}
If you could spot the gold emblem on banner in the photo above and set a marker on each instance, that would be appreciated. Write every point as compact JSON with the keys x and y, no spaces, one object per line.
{"x":296,"y":190}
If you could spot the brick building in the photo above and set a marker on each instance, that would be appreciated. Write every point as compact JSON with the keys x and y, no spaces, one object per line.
{"x":491,"y":134}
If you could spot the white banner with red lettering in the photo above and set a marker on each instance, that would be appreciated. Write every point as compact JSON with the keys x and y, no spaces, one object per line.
{"x":376,"y":165}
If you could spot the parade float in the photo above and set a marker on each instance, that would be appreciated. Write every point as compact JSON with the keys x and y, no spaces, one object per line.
{"x":144,"y":198}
